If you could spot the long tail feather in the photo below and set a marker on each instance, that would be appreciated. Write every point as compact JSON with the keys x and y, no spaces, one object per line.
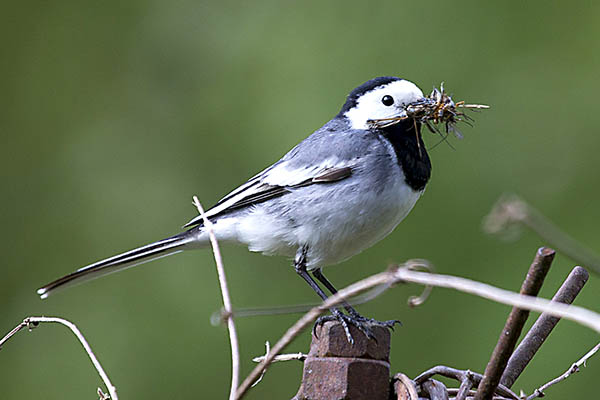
{"x":149,"y":252}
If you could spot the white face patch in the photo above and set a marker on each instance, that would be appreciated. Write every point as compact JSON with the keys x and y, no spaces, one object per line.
{"x":369,"y":105}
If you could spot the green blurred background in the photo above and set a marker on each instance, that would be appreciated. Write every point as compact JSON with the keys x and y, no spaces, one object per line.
{"x":113,"y":114}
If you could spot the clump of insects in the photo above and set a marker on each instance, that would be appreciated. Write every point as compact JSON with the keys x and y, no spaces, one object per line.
{"x":436,"y":109}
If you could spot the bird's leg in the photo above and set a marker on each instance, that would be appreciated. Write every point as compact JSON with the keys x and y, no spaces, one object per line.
{"x":300,"y":266}
{"x":319,"y":275}
{"x":351,"y":310}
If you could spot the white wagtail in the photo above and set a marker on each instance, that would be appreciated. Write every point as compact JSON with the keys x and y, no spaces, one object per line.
{"x":338,"y":192}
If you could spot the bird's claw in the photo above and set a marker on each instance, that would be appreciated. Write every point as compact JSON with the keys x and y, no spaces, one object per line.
{"x":373,"y":322}
{"x":342,"y":318}
{"x":361,"y":323}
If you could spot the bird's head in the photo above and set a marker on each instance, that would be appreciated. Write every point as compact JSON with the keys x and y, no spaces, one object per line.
{"x":383,"y":97}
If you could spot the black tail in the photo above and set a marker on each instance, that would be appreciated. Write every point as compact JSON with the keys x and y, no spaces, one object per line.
{"x":143,"y":254}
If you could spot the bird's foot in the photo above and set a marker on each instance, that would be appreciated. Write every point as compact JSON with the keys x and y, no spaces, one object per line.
{"x":373,"y":322}
{"x":363,"y":324}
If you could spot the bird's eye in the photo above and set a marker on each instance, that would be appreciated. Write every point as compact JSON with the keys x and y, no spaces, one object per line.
{"x":387,"y":100}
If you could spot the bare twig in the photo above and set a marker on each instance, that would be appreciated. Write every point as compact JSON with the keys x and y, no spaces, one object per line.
{"x":542,"y":327}
{"x":32,"y":322}
{"x":267,"y":350}
{"x":102,"y":395}
{"x":465,"y":386}
{"x":235,"y":350}
{"x":577,"y":314}
{"x":397,"y":274}
{"x":278,"y":358}
{"x":435,"y":390}
{"x":514,"y":325}
{"x":283,"y":357}
{"x":510,"y":211}
{"x":470,"y":394}
{"x":405,"y":388}
{"x":462,"y":376}
{"x":539,"y":392}
{"x":421,"y":265}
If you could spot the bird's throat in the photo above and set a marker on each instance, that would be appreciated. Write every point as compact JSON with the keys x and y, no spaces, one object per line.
{"x":405,"y":138}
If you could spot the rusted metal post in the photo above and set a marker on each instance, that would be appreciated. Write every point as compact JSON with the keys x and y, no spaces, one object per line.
{"x":337,"y":370}
{"x":514,"y":325}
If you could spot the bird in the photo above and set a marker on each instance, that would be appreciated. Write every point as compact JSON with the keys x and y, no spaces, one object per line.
{"x":338,"y":192}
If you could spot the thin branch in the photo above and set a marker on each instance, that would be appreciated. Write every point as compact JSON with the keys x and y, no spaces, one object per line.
{"x":577,"y":314}
{"x":465,"y":386}
{"x":539,"y":392}
{"x":470,"y":394}
{"x":542,"y":328}
{"x":511,"y":210}
{"x":514,"y":325}
{"x":464,"y":377}
{"x":235,"y":350}
{"x":283,"y":357}
{"x":278,"y":358}
{"x":397,"y":274}
{"x":435,"y":390}
{"x":404,"y":386}
{"x":267,"y":350}
{"x":102,"y":395}
{"x":32,"y":322}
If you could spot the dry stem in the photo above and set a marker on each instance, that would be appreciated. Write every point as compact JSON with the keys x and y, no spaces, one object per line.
{"x":31,"y":322}
{"x":235,"y":350}
{"x":539,"y":392}
{"x":466,"y":378}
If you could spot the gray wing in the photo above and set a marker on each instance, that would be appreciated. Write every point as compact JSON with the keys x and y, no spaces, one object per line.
{"x":319,"y":159}
{"x":258,"y":190}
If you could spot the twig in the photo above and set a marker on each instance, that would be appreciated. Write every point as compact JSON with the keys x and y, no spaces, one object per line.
{"x":511,"y":210}
{"x":278,"y":358}
{"x":283,"y":357}
{"x":577,"y":314}
{"x":267,"y":350}
{"x":465,"y":386}
{"x":544,"y":325}
{"x":435,"y":390}
{"x":539,"y":392}
{"x":102,"y":395}
{"x":32,"y":322}
{"x":514,"y":325}
{"x":471,"y":393}
{"x":235,"y":350}
{"x":404,"y":386}
{"x":398,"y":274}
{"x":462,"y":376}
